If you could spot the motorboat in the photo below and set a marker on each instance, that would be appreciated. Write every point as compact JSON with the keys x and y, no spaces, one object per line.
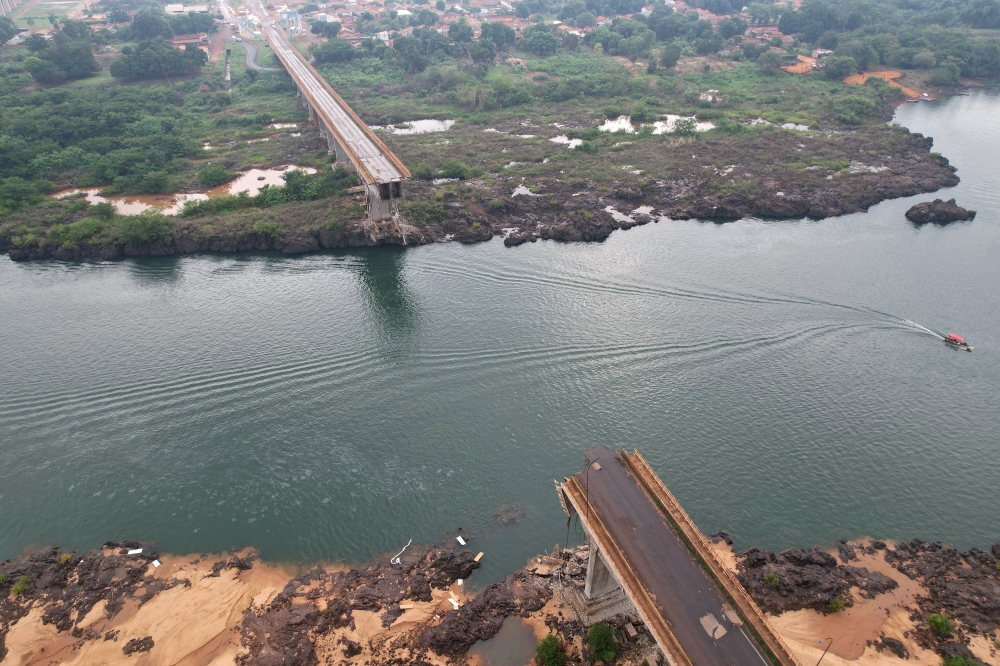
{"x":957,"y":341}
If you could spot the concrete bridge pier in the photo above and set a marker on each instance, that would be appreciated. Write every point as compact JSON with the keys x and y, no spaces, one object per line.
{"x":600,"y":580}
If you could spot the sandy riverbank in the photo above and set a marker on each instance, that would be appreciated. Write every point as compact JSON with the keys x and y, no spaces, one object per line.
{"x":113,"y":606}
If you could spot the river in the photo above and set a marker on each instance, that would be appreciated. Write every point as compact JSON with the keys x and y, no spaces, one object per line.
{"x":336,"y":405}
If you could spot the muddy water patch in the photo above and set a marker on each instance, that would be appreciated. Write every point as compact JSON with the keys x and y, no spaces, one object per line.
{"x":171,"y":204}
{"x":514,"y":645}
{"x":253,"y":180}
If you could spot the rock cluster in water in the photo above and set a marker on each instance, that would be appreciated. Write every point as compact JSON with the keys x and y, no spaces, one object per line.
{"x":939,"y":212}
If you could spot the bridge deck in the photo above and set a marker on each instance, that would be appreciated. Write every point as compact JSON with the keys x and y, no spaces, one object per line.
{"x":373,"y":161}
{"x":683,"y":593}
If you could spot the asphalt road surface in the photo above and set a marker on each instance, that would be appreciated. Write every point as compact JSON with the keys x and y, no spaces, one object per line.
{"x":376,"y":163}
{"x":686,"y":596}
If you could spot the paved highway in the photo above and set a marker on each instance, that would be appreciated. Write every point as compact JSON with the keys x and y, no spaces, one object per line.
{"x":373,"y":161}
{"x":687,"y":598}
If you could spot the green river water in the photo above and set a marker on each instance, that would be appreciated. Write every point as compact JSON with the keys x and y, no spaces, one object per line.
{"x":336,"y":405}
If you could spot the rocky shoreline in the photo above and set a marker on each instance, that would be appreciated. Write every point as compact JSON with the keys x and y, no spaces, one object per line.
{"x":553,"y":209}
{"x":118,"y":601}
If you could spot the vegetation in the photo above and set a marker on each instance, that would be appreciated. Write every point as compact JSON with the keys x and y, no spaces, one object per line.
{"x":960,"y":661}
{"x":836,"y":605}
{"x":941,"y":624}
{"x":602,"y":643}
{"x":64,"y":122}
{"x":548,"y":653}
{"x":21,"y":586}
{"x":772,"y":580}
{"x":155,"y":59}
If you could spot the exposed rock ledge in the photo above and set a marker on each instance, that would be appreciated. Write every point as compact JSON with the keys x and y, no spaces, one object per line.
{"x":109,"y":606}
{"x":939,"y":212}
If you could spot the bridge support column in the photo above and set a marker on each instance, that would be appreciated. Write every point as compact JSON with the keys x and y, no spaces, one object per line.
{"x":600,"y":580}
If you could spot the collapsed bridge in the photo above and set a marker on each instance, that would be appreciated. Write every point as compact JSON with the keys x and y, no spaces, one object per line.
{"x":645,"y":547}
{"x":381,"y":172}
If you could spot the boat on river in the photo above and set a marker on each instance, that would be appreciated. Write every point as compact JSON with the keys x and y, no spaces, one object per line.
{"x":957,"y":341}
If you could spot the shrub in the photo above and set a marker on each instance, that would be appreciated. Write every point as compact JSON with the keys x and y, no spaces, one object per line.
{"x":64,"y":558}
{"x":641,"y":114}
{"x":685,"y":126}
{"x":147,"y":227}
{"x":772,"y":580}
{"x":588,"y":147}
{"x":940,"y":624}
{"x":454,"y":169}
{"x":601,"y":641}
{"x":267,"y":228}
{"x":214,"y":175}
{"x":836,"y":605}
{"x":3,"y":579}
{"x":547,"y":653}
{"x":21,"y":586}
{"x":960,"y":661}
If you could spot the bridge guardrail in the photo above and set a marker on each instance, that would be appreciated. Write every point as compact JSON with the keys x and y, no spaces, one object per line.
{"x":725,"y":578}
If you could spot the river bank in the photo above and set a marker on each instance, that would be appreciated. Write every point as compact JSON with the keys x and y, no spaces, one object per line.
{"x":772,"y":173}
{"x":126,"y":603}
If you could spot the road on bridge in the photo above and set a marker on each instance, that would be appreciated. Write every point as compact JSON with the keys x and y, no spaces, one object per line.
{"x":373,"y":161}
{"x":683,"y":592}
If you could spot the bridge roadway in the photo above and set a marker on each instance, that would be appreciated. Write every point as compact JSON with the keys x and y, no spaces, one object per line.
{"x":350,"y":137}
{"x":660,"y":573}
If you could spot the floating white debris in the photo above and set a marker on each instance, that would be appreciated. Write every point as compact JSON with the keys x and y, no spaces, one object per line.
{"x":491,"y":129}
{"x":563,"y":139}
{"x":479,"y":556}
{"x":284,"y":125}
{"x":796,"y":127}
{"x":460,"y":581}
{"x":522,"y":190}
{"x":460,"y":540}
{"x":442,"y":181}
{"x":156,"y":563}
{"x":525,"y":136}
{"x":454,"y":602}
{"x":512,"y":164}
{"x":135,"y":551}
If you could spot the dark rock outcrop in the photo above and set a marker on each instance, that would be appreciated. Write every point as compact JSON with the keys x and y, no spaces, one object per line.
{"x":798,"y":578}
{"x":939,"y":212}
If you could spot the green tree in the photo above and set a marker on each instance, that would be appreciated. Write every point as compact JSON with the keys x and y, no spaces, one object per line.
{"x":44,"y":71}
{"x":328,"y":29}
{"x":333,"y":50}
{"x":35,"y":43}
{"x":482,"y":50}
{"x":602,"y":643}
{"x":7,"y":29}
{"x":501,"y":35}
{"x":731,"y":27}
{"x":838,"y":67}
{"x":547,"y":653}
{"x":585,"y":20}
{"x":769,"y":61}
{"x":214,"y":175}
{"x":669,"y":56}
{"x":75,"y":59}
{"x":150,"y":24}
{"x":460,"y":31}
{"x":940,"y":624}
{"x":538,"y":40}
{"x":439,"y":5}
